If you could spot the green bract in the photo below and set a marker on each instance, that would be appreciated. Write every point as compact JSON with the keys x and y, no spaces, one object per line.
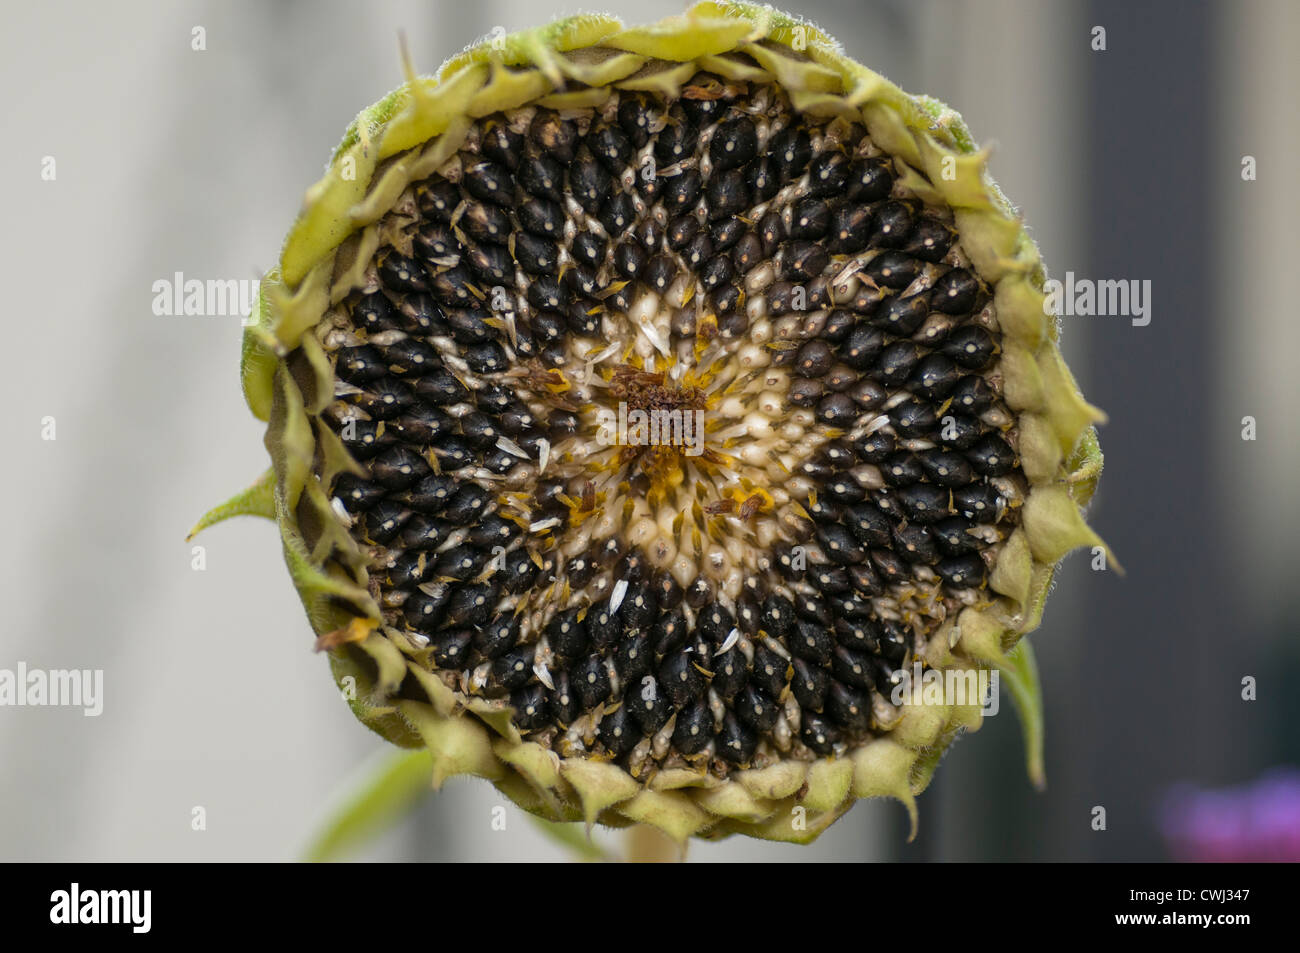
{"x":365,"y":205}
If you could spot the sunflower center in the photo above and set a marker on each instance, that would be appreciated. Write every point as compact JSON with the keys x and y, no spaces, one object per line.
{"x":682,"y":425}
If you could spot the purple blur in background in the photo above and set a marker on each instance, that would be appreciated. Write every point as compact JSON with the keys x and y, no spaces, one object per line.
{"x":1259,"y":821}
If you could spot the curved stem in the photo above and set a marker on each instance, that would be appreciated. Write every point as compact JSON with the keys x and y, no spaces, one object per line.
{"x":1021,"y":672}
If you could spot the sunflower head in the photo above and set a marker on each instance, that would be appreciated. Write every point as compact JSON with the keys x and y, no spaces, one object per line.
{"x":648,"y":407}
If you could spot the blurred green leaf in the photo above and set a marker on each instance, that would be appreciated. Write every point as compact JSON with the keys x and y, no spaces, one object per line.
{"x":573,"y":835}
{"x":384,"y":795}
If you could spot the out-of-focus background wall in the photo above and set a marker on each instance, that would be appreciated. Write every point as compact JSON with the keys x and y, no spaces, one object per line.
{"x":1127,"y":160}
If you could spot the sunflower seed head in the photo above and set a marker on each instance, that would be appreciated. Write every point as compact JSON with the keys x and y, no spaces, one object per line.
{"x":666,"y":426}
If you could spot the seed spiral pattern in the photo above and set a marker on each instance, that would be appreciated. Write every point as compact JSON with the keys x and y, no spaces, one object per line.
{"x":748,"y":598}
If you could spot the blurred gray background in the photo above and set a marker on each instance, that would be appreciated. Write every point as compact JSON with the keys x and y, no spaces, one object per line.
{"x":1126,"y":162}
